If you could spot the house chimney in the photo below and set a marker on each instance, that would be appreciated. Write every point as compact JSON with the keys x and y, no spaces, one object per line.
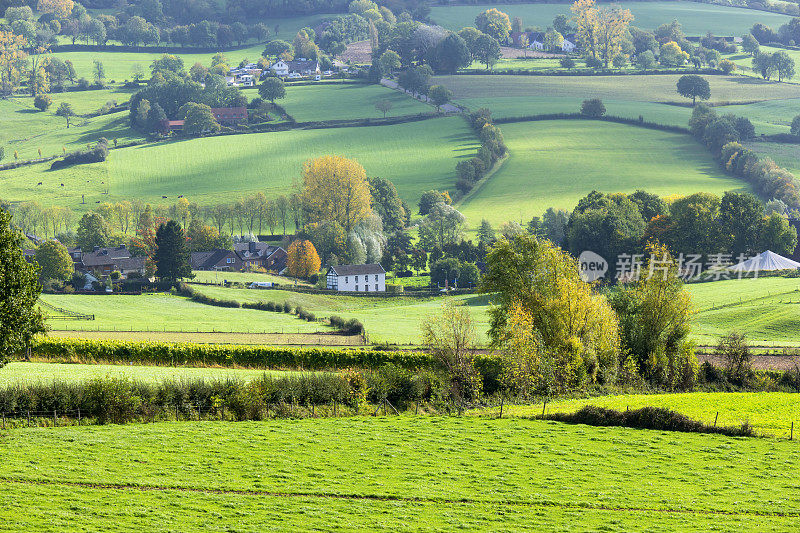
{"x":251,"y":247}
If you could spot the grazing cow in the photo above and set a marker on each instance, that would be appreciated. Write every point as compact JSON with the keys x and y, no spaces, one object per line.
{"x":181,"y":196}
{"x":62,"y":184}
{"x":163,"y":197}
{"x":39,"y":183}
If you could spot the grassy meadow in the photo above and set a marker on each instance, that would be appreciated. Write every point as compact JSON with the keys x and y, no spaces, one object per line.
{"x":346,"y":101}
{"x":415,"y":156}
{"x":18,"y":372}
{"x":166,"y":312}
{"x":784,"y":154}
{"x":695,"y":18}
{"x":391,"y":319}
{"x":555,"y":163}
{"x":658,"y":88}
{"x":766,"y":309}
{"x":26,"y":129}
{"x":427,"y":473}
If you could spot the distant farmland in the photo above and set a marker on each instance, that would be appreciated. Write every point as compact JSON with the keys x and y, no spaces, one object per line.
{"x":555,"y":163}
{"x":695,"y":18}
{"x":415,"y":156}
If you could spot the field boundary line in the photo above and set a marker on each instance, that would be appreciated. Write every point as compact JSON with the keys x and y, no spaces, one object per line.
{"x":385,"y":497}
{"x":480,"y":183}
{"x":742,"y":302}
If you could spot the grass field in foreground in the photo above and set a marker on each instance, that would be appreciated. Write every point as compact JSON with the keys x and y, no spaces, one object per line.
{"x":47,"y":372}
{"x":390,"y":319}
{"x":766,"y":309}
{"x":461,"y":473}
{"x":555,"y":163}
{"x":695,"y":18}
{"x":347,"y":101}
{"x":416,"y":157}
{"x":160,"y":312}
{"x":650,"y":88}
{"x":770,"y":413}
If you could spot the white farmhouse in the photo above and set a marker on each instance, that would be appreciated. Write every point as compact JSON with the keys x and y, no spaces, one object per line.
{"x":357,"y":278}
{"x":301,"y":67}
{"x":568,"y":46}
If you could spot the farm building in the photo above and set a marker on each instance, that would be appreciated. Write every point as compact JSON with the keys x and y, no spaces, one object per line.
{"x":226,"y":116}
{"x":107,"y":260}
{"x":357,"y":278}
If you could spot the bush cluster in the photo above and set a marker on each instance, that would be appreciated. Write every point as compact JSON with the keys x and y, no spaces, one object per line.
{"x":646,"y":418}
{"x":119,"y":400}
{"x":348,"y":327}
{"x":493,"y":147}
{"x":721,"y":134}
{"x":95,"y":155}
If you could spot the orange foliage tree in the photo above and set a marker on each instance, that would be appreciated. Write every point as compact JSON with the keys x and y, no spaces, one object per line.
{"x":60,"y":8}
{"x":303,"y":260}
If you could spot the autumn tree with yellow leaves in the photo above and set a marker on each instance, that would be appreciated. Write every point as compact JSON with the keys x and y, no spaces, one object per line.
{"x":12,"y":61}
{"x":556,"y":331}
{"x":302,"y":260}
{"x":335,"y":188}
{"x":601,"y":31}
{"x":59,"y":8}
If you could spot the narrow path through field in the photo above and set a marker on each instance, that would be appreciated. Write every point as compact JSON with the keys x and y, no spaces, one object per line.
{"x":387,"y":497}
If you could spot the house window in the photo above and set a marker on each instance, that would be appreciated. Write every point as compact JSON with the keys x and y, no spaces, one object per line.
{"x":376,"y":286}
{"x":356,"y":288}
{"x":345,"y":279}
{"x":356,"y":279}
{"x":376,"y":277}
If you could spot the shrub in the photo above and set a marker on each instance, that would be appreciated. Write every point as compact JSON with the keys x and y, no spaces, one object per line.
{"x":593,"y":108}
{"x":567,"y":62}
{"x":42,"y":101}
{"x":646,"y":418}
{"x":95,"y":155}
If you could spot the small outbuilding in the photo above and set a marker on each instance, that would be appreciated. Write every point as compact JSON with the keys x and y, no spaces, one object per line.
{"x":357,"y":278}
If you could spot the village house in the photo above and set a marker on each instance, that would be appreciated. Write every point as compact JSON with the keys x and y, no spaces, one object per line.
{"x":357,"y":278}
{"x":255,"y":255}
{"x":298,"y":67}
{"x":102,"y":260}
{"x":107,"y":260}
{"x":219,"y":259}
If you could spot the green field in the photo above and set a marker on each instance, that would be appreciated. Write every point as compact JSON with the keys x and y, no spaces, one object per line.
{"x":14,"y":373}
{"x":555,"y":163}
{"x":415,"y":156}
{"x":398,"y":473}
{"x":26,"y":129}
{"x":206,"y":276}
{"x":770,"y":413}
{"x":651,"y":88}
{"x":346,"y":101}
{"x":767,"y":309}
{"x":390,"y":319}
{"x":784,"y":154}
{"x":696,"y":18}
{"x":164,"y":312}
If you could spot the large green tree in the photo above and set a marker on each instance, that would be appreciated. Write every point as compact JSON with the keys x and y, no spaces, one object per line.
{"x":92,"y":231}
{"x":172,"y":253}
{"x":20,"y":319}
{"x":54,"y":260}
{"x":495,"y":23}
{"x":694,"y":87}
{"x":272,"y":89}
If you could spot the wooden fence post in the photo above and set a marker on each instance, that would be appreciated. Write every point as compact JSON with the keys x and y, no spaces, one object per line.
{"x":55,"y":418}
{"x":502,"y":401}
{"x":791,"y":431}
{"x":79,"y":416}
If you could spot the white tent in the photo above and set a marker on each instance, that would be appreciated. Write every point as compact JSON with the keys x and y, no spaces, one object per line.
{"x":766,"y":261}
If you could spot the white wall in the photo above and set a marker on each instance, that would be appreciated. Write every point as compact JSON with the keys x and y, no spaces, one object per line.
{"x":349,"y":283}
